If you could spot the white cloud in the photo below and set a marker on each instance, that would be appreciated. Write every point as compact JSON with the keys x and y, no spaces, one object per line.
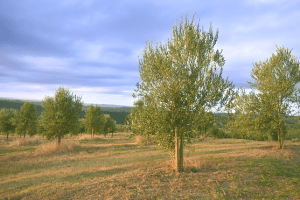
{"x":47,"y":63}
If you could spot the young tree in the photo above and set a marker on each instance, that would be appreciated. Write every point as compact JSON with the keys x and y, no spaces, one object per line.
{"x":94,"y":120}
{"x":82,"y":126}
{"x":6,"y":124}
{"x":61,"y":114}
{"x":40,"y":128}
{"x":178,"y":81}
{"x":26,"y":120}
{"x":206,"y":123}
{"x":110,"y":125}
{"x":246,"y":123}
{"x":275,"y":79}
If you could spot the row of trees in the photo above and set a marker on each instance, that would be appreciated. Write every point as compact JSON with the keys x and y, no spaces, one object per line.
{"x":22,"y":123}
{"x":60,"y":117}
{"x":181,"y":82}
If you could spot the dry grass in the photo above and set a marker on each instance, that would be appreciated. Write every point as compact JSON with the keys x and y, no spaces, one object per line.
{"x":119,"y":168}
{"x":143,"y":140}
{"x":53,"y":147}
{"x":26,"y":142}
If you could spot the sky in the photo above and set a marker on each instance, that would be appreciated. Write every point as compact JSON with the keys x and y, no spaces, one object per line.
{"x":93,"y":47}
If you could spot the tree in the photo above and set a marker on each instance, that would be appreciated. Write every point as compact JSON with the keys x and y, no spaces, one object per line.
{"x":275,"y":79}
{"x":206,"y":123}
{"x":26,"y":119}
{"x":82,"y":126}
{"x":61,"y":114}
{"x":178,"y":81}
{"x":6,"y":124}
{"x":110,"y":125}
{"x":262,"y":115}
{"x":245,"y":123}
{"x":94,"y":120}
{"x":40,"y":128}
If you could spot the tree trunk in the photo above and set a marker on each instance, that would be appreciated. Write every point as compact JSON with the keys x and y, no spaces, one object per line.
{"x":7,"y":136}
{"x":280,"y":139}
{"x":92,"y":133}
{"x":112,"y":134}
{"x":178,"y":152}
{"x":59,"y":139}
{"x":24,"y":134}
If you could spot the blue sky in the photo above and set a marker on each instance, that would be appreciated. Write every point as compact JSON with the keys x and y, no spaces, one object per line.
{"x":92,"y":47}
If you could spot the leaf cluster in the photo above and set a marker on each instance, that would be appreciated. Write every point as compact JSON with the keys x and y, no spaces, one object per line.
{"x":94,"y":119}
{"x":61,"y":114}
{"x":180,"y":81}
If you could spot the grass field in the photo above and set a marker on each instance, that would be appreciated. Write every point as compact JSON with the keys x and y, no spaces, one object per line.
{"x":121,"y":168}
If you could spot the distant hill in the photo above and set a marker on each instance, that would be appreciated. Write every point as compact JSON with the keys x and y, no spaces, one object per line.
{"x":116,"y":112}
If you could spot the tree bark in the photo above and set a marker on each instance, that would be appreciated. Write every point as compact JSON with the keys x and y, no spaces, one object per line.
{"x":280,"y":140}
{"x":59,"y":139}
{"x":178,"y":152}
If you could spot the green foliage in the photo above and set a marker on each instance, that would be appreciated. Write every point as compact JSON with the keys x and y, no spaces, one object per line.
{"x":40,"y":127}
{"x":263,"y":114}
{"x":26,"y":120}
{"x":61,"y":114}
{"x":6,"y":124}
{"x":179,"y":81}
{"x":218,"y":133}
{"x":295,"y":140}
{"x":94,"y":120}
{"x":206,"y":123}
{"x":110,"y":125}
{"x":82,"y":128}
{"x":122,"y":128}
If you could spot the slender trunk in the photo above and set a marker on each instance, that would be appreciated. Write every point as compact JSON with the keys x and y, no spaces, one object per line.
{"x":112,"y":134}
{"x":7,"y":136}
{"x":59,"y":139}
{"x":280,"y":139}
{"x":24,"y":134}
{"x":178,"y":152}
{"x":92,"y":133}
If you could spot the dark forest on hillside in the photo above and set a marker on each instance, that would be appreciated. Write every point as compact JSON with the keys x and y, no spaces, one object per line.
{"x":119,"y":113}
{"x":116,"y":113}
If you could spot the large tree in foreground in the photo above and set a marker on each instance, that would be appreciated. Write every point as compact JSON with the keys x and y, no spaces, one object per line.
{"x":179,"y":82}
{"x":94,"y":120}
{"x":275,"y":79}
{"x":61,"y":114}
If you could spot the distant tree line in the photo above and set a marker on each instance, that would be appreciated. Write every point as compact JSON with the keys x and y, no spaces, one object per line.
{"x":116,"y":113}
{"x":60,"y":116}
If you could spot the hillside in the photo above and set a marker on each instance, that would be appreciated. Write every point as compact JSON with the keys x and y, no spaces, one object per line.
{"x":116,"y":112}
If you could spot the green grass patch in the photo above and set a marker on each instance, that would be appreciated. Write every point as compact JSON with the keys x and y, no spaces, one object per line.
{"x":13,"y":150}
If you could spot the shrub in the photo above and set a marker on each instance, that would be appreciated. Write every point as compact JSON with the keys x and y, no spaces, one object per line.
{"x":295,"y":140}
{"x":218,"y":133}
{"x":143,"y":140}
